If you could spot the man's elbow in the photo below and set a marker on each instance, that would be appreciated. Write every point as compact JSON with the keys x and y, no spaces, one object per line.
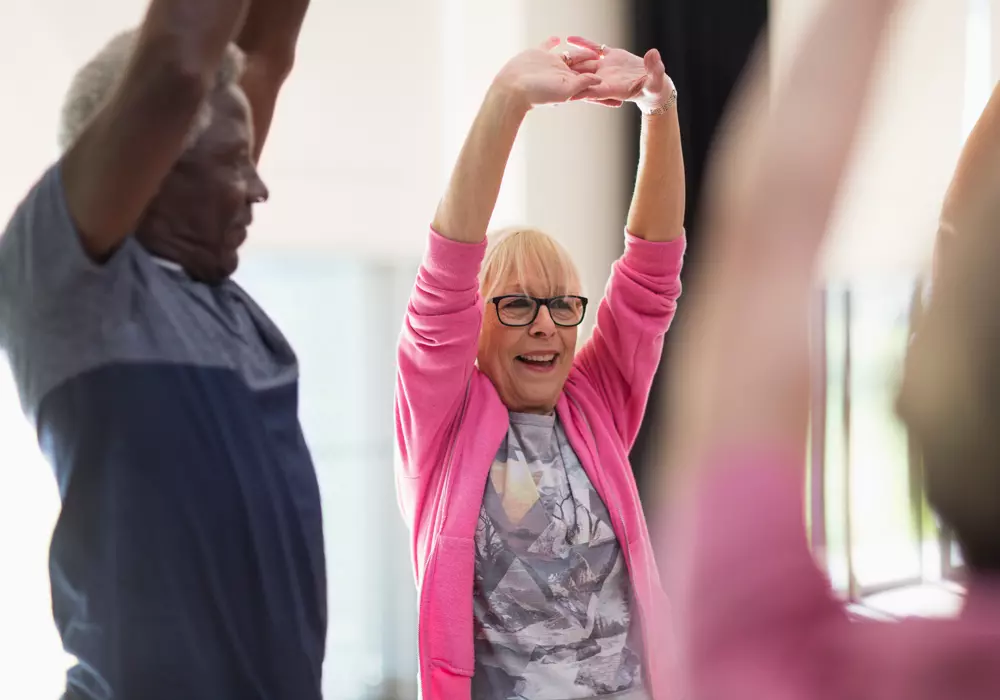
{"x":166,"y":63}
{"x":272,"y":67}
{"x":280,"y":62}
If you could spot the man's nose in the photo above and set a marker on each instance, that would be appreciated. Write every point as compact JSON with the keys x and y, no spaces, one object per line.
{"x":257,"y":192}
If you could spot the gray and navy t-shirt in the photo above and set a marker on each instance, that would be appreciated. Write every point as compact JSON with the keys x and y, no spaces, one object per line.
{"x":552,"y":597}
{"x":187,"y":560}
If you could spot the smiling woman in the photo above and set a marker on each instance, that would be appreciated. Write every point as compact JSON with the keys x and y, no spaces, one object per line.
{"x":527,"y":346}
{"x":542,"y":519}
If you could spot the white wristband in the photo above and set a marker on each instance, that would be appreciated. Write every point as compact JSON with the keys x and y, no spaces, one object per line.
{"x":664,"y":107}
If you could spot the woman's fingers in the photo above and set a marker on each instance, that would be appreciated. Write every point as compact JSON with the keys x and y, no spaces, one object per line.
{"x":550,"y":43}
{"x":584,"y":43}
{"x":589,"y":65}
{"x":581,"y":60}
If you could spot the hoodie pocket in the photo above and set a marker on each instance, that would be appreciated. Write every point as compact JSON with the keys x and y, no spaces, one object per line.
{"x":449,"y":606}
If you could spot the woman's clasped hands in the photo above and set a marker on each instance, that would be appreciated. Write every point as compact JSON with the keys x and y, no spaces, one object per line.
{"x":586,"y":71}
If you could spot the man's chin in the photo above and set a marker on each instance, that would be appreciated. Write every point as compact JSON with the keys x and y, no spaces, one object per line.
{"x":218,"y":273}
{"x":230,"y":262}
{"x":237,"y":236}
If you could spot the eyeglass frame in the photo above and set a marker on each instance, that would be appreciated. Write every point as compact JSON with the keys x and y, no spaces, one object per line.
{"x":539,"y":303}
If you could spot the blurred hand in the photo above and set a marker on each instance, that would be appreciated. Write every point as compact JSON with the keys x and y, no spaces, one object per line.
{"x":624,"y":76}
{"x":540,"y":76}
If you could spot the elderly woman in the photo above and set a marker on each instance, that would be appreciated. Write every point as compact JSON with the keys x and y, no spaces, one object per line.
{"x":532,"y":556}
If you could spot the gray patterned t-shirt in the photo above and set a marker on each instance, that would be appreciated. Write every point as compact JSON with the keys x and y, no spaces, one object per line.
{"x":552,"y":596}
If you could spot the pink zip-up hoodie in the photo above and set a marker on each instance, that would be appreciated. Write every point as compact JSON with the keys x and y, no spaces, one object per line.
{"x":450,"y":422}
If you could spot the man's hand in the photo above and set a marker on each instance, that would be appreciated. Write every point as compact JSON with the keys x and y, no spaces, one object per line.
{"x":624,"y":76}
{"x":538,"y":76}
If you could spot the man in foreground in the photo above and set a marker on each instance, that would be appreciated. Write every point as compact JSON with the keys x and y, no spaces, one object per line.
{"x":187,"y":561}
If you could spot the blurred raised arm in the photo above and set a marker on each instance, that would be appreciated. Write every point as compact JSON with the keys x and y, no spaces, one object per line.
{"x":971,"y":201}
{"x":773,"y":189}
{"x":973,"y":193}
{"x":756,"y":610}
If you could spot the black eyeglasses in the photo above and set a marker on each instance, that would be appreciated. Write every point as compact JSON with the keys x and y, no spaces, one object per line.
{"x":521,"y":310}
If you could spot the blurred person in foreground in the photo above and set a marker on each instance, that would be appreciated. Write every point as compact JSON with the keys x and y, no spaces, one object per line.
{"x":187,"y":561}
{"x":759,"y":617}
{"x":532,"y":556}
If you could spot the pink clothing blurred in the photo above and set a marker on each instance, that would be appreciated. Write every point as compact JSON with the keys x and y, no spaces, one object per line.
{"x":450,"y":422}
{"x":761,"y":621}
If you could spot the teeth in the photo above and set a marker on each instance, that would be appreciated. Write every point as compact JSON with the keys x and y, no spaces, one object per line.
{"x":539,"y":358}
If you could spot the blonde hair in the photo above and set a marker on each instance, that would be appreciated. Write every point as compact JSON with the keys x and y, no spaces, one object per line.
{"x":518,"y":254}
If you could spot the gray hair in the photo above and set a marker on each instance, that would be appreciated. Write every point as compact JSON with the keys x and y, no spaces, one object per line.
{"x":95,"y":82}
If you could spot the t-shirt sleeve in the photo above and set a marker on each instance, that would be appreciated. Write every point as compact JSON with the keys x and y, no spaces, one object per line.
{"x":55,"y":301}
{"x":46,"y":277}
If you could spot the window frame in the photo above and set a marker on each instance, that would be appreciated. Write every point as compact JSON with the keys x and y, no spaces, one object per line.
{"x":819,"y":506}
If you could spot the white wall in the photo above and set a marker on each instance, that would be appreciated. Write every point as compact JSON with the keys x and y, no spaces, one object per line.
{"x":889,"y":206}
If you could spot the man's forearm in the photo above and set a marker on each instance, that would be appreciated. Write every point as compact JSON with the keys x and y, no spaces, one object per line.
{"x":271,"y":31}
{"x":657,"y":211}
{"x":268,"y":38}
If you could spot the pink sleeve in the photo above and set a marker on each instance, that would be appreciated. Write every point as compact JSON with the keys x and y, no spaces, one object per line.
{"x":623,"y":354}
{"x":758,"y":611}
{"x":437,"y":349}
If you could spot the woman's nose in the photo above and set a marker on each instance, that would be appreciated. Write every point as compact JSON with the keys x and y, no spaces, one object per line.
{"x":543,"y":324}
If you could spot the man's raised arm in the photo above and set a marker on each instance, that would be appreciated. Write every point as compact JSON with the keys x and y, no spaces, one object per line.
{"x":268,"y":39}
{"x":116,"y":166}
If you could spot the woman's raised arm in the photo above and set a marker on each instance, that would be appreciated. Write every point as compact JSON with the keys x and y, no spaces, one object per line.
{"x":437,"y":348}
{"x":622,"y":356}
{"x":534,"y":77}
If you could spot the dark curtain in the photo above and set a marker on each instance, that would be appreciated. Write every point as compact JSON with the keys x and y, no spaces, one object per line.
{"x":705,"y":44}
